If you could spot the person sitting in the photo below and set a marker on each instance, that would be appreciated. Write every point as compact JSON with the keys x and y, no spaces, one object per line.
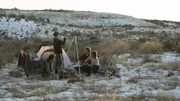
{"x":95,"y":62}
{"x":84,"y":59}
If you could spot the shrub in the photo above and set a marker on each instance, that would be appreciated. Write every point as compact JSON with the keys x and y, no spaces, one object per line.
{"x":134,"y":45}
{"x":48,"y":20}
{"x":112,"y":46}
{"x":15,"y":74}
{"x":168,"y":45}
{"x":2,"y":15}
{"x":1,"y":60}
{"x":153,"y":47}
{"x":12,"y":16}
{"x":17,"y":19}
{"x":143,"y":39}
{"x":174,"y":66}
{"x":32,"y":17}
{"x":109,"y":47}
{"x":178,"y":48}
{"x":55,"y":29}
{"x":148,"y":58}
{"x":42,"y":19}
{"x":22,"y":16}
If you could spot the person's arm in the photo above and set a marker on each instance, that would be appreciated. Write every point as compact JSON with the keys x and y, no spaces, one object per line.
{"x":61,"y":42}
{"x":89,"y":62}
{"x":81,"y":57}
{"x":88,"y":59}
{"x":64,"y":41}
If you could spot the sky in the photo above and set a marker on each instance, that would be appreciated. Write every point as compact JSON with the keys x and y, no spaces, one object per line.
{"x":145,"y":9}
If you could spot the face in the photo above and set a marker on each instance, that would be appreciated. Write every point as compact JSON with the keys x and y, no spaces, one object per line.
{"x":93,"y":55}
{"x":86,"y":51}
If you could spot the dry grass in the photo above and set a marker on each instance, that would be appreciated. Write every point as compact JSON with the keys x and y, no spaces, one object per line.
{"x":134,"y":45}
{"x":33,"y":90}
{"x":9,"y":48}
{"x":151,"y":48}
{"x":172,"y":66}
{"x":22,"y":91}
{"x":109,"y":47}
{"x":15,"y":74}
{"x":148,"y":58}
{"x":168,"y":45}
{"x":178,"y":48}
{"x":112,"y":45}
{"x":172,"y":83}
{"x":107,"y":98}
{"x":161,"y":97}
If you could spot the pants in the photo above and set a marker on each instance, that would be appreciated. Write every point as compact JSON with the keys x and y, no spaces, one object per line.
{"x":95,"y":68}
{"x":59,"y":62}
{"x":85,"y":69}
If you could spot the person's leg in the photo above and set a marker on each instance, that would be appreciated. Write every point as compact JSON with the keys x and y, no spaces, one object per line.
{"x":95,"y":69}
{"x":61,"y":60}
{"x":61,"y":64}
{"x":88,"y":70}
{"x":58,"y":62}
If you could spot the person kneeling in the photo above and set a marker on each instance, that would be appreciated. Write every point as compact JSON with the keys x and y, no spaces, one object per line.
{"x":93,"y":65}
{"x":94,"y":62}
{"x":84,"y":61}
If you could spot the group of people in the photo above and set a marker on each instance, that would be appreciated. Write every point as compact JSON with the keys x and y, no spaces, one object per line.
{"x":89,"y":61}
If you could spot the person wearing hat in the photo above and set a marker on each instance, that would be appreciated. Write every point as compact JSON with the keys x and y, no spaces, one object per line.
{"x":58,"y":42}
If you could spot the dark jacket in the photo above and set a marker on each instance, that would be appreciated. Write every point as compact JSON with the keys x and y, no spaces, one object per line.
{"x":83,"y":57}
{"x":58,"y":45}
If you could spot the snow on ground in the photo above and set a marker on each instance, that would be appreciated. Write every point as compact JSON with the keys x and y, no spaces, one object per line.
{"x":13,"y":28}
{"x":90,"y":19}
{"x":76,"y":22}
{"x":136,"y":79}
{"x":170,"y":24}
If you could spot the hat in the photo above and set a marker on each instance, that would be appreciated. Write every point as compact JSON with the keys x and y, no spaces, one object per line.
{"x":56,"y":34}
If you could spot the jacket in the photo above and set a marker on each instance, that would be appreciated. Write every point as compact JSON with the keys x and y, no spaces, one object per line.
{"x":83,"y":57}
{"x":58,"y":45}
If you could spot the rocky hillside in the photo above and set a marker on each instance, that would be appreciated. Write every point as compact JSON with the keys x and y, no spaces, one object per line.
{"x":22,"y":23}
